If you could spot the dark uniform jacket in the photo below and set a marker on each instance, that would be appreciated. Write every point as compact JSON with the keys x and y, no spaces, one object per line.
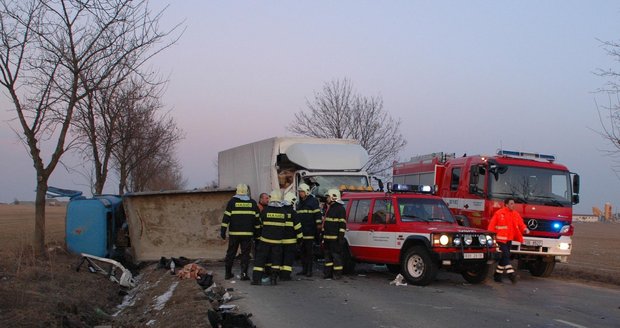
{"x":292,"y":231}
{"x":335,"y":222}
{"x":309,"y":215}
{"x":275,"y":220}
{"x":241,"y":217}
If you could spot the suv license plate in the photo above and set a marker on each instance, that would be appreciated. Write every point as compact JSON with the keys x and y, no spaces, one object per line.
{"x":473,"y":255}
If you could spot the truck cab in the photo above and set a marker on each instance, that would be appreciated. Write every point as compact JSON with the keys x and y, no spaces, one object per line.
{"x":414,"y":233}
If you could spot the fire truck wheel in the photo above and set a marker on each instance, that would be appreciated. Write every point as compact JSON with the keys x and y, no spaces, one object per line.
{"x":540,"y":268}
{"x":348,"y":262}
{"x":476,"y":274}
{"x":418,"y":267}
{"x":393,"y":268}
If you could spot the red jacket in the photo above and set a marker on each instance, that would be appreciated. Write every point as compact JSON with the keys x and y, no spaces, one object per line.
{"x":508,"y":225}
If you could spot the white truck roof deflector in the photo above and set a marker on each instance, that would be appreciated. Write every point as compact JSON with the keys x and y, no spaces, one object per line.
{"x":327,"y":156}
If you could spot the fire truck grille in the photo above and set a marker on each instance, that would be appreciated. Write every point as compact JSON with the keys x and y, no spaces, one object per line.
{"x":542,"y":225}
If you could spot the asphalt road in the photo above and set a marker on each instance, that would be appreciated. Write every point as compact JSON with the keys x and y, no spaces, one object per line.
{"x":366,"y":299}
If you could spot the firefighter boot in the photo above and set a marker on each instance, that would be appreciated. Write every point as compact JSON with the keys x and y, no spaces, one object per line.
{"x":256,"y":277}
{"x":337,"y":274}
{"x":274,"y":278}
{"x":513,"y":277}
{"x":303,"y":271}
{"x":244,"y":273}
{"x":328,"y":273}
{"x":228,"y":273}
{"x":285,"y":276}
{"x":497,"y":277}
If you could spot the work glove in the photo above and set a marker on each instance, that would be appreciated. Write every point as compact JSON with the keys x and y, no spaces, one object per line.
{"x":223,"y":233}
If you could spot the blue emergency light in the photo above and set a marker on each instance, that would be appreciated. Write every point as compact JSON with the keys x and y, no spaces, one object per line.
{"x":398,"y":187}
{"x":512,"y":153}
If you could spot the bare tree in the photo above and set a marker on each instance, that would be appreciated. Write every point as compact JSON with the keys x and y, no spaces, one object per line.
{"x":52,"y":53}
{"x":338,"y":112}
{"x":144,"y":141}
{"x":609,"y":114}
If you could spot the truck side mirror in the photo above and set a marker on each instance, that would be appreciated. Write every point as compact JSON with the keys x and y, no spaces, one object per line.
{"x":575,"y":199}
{"x":576,"y":184}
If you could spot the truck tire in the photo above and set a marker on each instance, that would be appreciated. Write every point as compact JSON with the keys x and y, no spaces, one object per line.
{"x":348,"y":262}
{"x":476,"y":274}
{"x":393,"y":268}
{"x":541,"y":268}
{"x":418,"y":267}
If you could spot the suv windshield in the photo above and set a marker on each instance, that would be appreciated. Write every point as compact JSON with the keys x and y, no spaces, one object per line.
{"x":424,"y":209}
{"x":531,"y":185}
{"x":327,"y":182}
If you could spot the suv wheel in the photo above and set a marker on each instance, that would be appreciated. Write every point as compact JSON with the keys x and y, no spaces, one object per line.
{"x":418,"y":267}
{"x":476,"y":274}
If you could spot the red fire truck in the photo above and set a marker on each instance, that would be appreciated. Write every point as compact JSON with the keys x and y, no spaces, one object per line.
{"x":475,"y":187}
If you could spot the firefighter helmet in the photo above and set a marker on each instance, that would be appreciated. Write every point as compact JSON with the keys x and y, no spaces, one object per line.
{"x":242,"y":189}
{"x":275,"y":195}
{"x":290,"y":198}
{"x":304,"y":187}
{"x":334,"y":194}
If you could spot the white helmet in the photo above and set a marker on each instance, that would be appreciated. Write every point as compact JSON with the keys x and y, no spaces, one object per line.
{"x":304,"y":187}
{"x":242,"y":189}
{"x":334,"y":194}
{"x":275,"y":195}
{"x":290,"y":198}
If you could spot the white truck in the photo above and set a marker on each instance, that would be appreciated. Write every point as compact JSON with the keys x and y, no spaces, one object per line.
{"x":285,"y":162}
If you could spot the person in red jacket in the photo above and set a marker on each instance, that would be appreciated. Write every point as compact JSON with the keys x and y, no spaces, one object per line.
{"x":509,"y":226}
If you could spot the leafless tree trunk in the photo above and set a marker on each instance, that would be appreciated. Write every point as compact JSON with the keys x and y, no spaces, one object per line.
{"x":52,"y":53}
{"x":338,"y":112}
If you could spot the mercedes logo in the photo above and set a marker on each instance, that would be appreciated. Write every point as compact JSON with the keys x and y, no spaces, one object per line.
{"x":532,"y":224}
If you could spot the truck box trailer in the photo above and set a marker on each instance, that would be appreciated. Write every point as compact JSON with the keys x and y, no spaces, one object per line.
{"x":285,"y":162}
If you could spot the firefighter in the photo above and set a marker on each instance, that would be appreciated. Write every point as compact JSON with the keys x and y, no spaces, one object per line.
{"x":509,"y":226}
{"x":242,"y":221}
{"x":309,"y":215}
{"x":333,"y":235}
{"x":274,"y":219}
{"x":292,"y":237}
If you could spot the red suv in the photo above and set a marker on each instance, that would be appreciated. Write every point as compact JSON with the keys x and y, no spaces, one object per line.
{"x":415,"y":234}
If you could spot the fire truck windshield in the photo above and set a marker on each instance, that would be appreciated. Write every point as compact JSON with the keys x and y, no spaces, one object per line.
{"x":531,"y":185}
{"x":424,"y":209}
{"x":327,"y":182}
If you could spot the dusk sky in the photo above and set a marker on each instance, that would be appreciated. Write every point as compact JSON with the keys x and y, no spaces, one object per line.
{"x":463,"y":76}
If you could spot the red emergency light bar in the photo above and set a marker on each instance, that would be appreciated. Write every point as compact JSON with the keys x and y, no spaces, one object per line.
{"x":511,"y":153}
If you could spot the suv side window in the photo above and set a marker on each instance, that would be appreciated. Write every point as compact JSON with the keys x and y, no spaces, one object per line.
{"x":359,"y":211}
{"x":383,"y":212}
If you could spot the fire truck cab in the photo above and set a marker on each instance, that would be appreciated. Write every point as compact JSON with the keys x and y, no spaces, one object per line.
{"x":475,"y":187}
{"x":413,"y":233}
